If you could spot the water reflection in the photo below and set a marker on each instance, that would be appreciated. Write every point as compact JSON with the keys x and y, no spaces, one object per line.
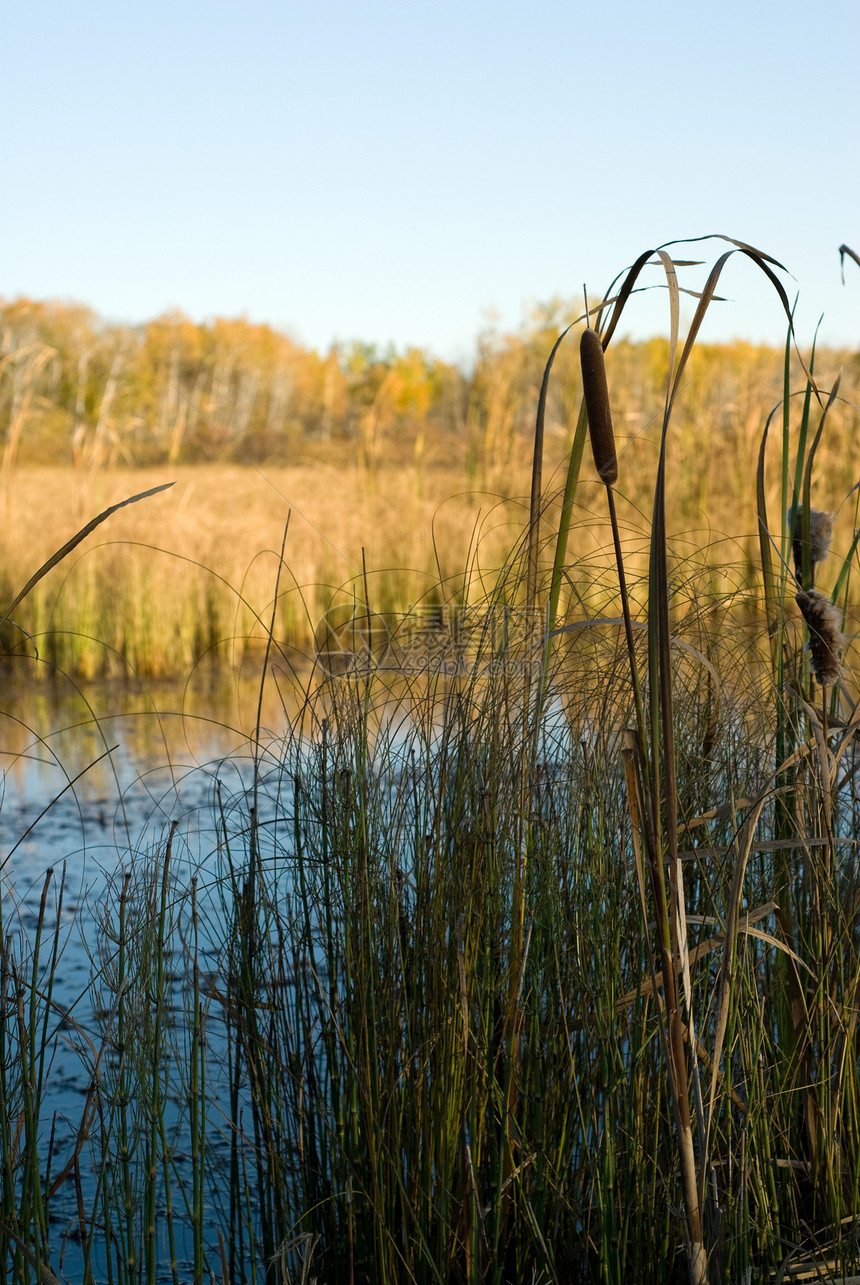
{"x":95,"y":780}
{"x":92,"y":781}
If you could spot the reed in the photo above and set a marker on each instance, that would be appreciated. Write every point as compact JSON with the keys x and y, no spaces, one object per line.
{"x":527,"y":949}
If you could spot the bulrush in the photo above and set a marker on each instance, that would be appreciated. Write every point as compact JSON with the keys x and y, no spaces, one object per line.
{"x":596,"y":395}
{"x":825,"y":634}
{"x":820,"y":532}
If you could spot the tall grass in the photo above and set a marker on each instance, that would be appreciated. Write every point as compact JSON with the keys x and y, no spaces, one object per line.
{"x":171,"y":585}
{"x":164,"y":587}
{"x":528,"y":949}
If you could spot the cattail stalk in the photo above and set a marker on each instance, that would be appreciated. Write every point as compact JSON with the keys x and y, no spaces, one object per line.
{"x":596,"y":395}
{"x":595,"y":391}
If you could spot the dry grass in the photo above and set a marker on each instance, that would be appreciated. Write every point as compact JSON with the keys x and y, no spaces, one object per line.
{"x":157,"y":588}
{"x":161,"y":583}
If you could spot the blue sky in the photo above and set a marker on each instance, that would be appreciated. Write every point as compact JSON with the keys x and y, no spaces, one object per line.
{"x":408,"y":172}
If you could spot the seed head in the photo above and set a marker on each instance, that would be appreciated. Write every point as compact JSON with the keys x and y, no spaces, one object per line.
{"x":825,"y":636}
{"x":597,"y":405}
{"x":820,"y":532}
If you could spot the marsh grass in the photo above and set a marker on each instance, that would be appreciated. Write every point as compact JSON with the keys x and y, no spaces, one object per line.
{"x":165,"y":587}
{"x":535,"y":958}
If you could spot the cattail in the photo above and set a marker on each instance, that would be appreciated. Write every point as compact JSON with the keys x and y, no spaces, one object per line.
{"x":820,"y":532}
{"x":597,"y":405}
{"x":825,"y":635}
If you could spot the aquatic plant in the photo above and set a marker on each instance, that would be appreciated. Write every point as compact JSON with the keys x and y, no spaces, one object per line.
{"x":527,"y":949}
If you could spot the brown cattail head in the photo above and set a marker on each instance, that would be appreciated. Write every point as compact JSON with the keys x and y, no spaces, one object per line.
{"x":825,"y":635}
{"x":820,"y":532}
{"x":597,"y":404}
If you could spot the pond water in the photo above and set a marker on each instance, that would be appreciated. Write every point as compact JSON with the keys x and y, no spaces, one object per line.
{"x":92,"y":782}
{"x":90,"y":779}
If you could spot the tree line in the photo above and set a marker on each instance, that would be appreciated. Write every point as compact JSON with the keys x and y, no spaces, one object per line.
{"x":77,"y":389}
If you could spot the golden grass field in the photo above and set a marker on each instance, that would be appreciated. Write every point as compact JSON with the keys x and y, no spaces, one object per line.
{"x":162,"y":582}
{"x":181,"y":577}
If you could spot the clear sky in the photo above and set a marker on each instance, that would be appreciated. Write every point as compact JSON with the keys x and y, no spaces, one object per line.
{"x":394,"y":171}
